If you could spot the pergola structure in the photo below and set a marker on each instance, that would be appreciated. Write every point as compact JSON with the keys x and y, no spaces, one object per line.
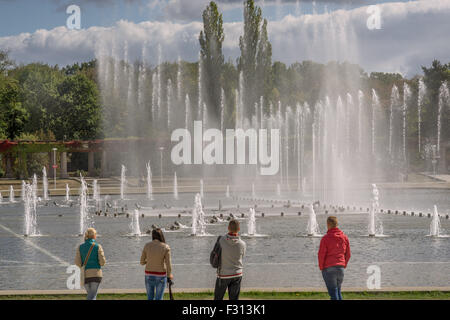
{"x":11,"y":150}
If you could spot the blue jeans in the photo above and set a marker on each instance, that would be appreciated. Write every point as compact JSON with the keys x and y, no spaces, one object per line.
{"x":153,"y":284}
{"x":333,"y":277}
{"x":91,"y":288}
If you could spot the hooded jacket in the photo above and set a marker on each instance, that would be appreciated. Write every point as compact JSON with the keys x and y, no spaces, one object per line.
{"x":233,"y":250}
{"x":334,"y":249}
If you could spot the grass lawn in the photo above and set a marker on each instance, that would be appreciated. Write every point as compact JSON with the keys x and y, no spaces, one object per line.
{"x":402,"y":295}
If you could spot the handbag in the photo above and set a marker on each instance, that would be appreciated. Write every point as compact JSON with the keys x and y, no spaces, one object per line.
{"x":83,"y":265}
{"x":215,"y":255}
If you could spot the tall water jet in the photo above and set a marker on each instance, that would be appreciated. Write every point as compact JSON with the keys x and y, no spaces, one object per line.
{"x":444,"y":99}
{"x":175,"y":186}
{"x":179,"y":79}
{"x":135,"y":228}
{"x":313,"y":227}
{"x":1,"y":198}
{"x":222,"y":109}
{"x":149,"y":181}
{"x":96,"y":191}
{"x":253,"y":191}
{"x":22,"y":191}
{"x":85,"y":218}
{"x":67,"y":198}
{"x":227,"y":194}
{"x":169,"y":103}
{"x":251,"y":223}
{"x":30,"y":221}
{"x":11,"y":194}
{"x":375,"y":108}
{"x":187,"y":104}
{"x":123,"y":181}
{"x":45,"y":183}
{"x":200,"y":92}
{"x":360,"y":125}
{"x":420,"y":98}
{"x":372,"y":227}
{"x":406,"y":97}
{"x":394,"y":103}
{"x":198,"y":217}
{"x":201,"y":188}
{"x":435,"y":226}
{"x":278,"y":190}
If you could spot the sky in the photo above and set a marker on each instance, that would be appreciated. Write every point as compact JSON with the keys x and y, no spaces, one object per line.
{"x":411,"y":34}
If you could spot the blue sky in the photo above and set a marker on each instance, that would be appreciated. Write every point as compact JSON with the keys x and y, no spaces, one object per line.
{"x":18,"y":16}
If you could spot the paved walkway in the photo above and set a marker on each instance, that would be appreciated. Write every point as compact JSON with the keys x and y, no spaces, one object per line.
{"x":198,"y":290}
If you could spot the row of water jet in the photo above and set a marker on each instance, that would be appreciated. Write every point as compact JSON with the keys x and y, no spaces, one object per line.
{"x":198,"y":217}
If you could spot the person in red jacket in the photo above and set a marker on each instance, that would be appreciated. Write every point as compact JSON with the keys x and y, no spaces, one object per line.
{"x":334,"y":254}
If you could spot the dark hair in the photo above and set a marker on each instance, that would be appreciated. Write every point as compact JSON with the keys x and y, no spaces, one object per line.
{"x":332,"y":221}
{"x":157,"y":234}
{"x":233,"y":226}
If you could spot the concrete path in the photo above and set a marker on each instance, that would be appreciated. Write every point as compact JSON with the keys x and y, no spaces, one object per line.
{"x":198,"y":290}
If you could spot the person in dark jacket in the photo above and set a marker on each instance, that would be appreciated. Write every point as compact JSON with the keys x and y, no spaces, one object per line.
{"x":334,"y":254}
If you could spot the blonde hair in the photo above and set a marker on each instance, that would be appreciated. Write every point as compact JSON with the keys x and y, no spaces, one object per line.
{"x":90,"y":233}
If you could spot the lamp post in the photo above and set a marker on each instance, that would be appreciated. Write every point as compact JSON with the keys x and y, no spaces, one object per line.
{"x":54,"y":168}
{"x":161,"y":149}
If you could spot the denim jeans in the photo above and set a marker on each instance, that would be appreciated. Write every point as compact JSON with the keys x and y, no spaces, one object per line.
{"x":233,"y":285}
{"x":333,"y":277}
{"x":153,"y":284}
{"x":91,"y":288}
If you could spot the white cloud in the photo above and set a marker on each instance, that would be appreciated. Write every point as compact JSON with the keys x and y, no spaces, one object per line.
{"x":412,"y":34}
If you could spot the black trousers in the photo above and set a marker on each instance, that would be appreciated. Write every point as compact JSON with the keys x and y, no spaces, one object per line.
{"x":233,"y":285}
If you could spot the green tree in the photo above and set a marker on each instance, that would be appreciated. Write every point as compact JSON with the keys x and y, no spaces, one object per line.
{"x":434,"y":76}
{"x":211,"y":39}
{"x":77,"y":115}
{"x":264,"y":65}
{"x":13,"y":116}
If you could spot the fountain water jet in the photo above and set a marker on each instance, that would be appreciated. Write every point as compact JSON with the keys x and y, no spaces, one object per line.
{"x":67,"y":198}
{"x":251,"y":224}
{"x":11,"y":194}
{"x":313,"y":227}
{"x":149,"y":181}
{"x":373,"y":229}
{"x":123,"y":182}
{"x":175,"y":186}
{"x":134,"y":224}
{"x":198,"y":217}
{"x":30,"y":205}
{"x":86,"y":220}
{"x":45,"y":183}
{"x":435,"y":226}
